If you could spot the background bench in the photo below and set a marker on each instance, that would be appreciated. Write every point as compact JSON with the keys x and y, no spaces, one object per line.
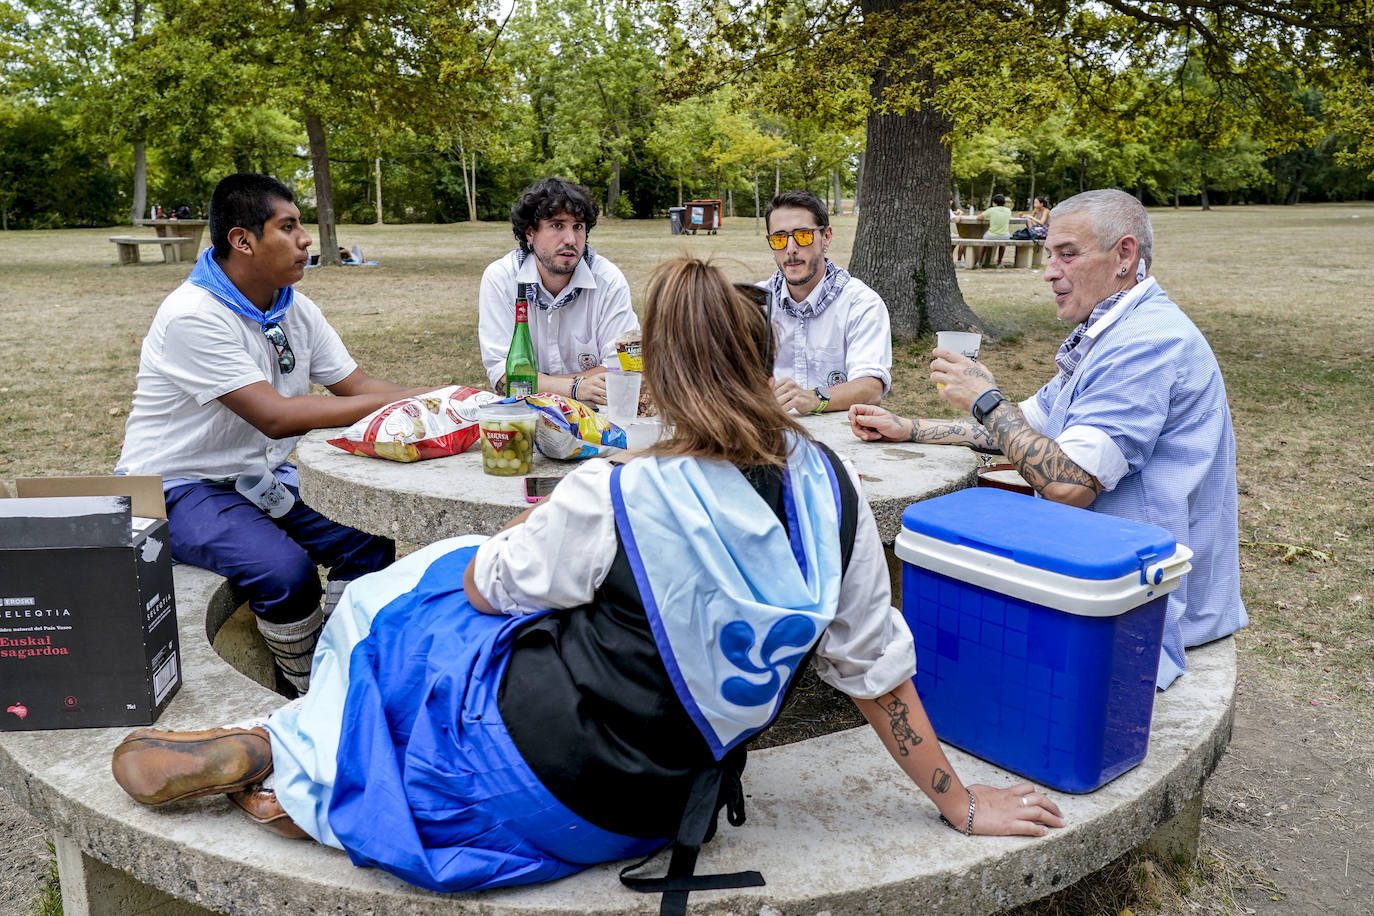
{"x":832,"y":823}
{"x":174,"y":248}
{"x":1028,"y":252}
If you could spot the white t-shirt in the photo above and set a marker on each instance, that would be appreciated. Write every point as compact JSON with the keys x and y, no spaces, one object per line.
{"x":851,"y":339}
{"x":195,"y":351}
{"x":574,"y":338}
{"x":564,"y":551}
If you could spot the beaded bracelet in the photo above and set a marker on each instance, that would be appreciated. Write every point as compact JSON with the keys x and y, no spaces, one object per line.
{"x":972,"y":807}
{"x":572,"y":389}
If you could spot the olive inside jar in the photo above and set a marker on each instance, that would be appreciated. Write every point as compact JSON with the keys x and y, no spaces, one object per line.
{"x":507,"y":438}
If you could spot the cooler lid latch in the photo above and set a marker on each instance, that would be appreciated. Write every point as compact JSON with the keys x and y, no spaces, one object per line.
{"x":1150,"y":576}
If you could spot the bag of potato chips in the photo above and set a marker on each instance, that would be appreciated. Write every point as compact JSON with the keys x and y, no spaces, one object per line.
{"x":433,"y":425}
{"x":567,"y":429}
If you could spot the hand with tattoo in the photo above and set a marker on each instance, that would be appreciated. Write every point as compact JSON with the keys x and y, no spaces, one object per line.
{"x":964,"y":379}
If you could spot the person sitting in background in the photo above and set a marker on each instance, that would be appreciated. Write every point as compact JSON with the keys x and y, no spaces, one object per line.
{"x":223,"y":390}
{"x":1135,"y":423}
{"x":579,"y":302}
{"x":500,"y":711}
{"x":833,"y":333}
{"x":999,"y":223}
{"x":1038,"y":220}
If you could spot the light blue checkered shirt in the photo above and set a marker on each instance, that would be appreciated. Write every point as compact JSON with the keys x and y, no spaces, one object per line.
{"x":1152,"y":385}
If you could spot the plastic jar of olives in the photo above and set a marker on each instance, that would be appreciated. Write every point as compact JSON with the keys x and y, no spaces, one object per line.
{"x":507,"y":438}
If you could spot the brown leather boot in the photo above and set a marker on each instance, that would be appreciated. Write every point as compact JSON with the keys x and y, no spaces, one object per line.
{"x":262,"y":806}
{"x":157,"y":767}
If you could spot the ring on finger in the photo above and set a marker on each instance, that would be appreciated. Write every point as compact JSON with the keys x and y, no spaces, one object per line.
{"x":1024,"y":803}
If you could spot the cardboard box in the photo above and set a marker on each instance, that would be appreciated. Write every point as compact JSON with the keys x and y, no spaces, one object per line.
{"x":88,"y":628}
{"x":1038,"y":630}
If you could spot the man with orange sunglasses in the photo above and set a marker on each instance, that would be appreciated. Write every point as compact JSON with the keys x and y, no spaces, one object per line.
{"x":834,"y":340}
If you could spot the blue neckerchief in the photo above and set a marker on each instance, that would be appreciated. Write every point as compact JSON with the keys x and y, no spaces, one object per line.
{"x":533,"y":291}
{"x":209,"y":277}
{"x":734,"y":598}
{"x":834,"y":280}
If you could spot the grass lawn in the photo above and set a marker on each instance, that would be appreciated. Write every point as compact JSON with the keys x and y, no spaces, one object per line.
{"x":1281,"y":293}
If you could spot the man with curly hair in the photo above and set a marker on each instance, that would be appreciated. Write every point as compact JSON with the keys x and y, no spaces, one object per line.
{"x":579,"y":302}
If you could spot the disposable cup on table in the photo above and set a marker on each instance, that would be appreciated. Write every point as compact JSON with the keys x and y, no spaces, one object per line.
{"x":622,"y":394}
{"x":965,"y":342}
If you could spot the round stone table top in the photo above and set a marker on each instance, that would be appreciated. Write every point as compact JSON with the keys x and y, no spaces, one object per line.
{"x":424,"y":501}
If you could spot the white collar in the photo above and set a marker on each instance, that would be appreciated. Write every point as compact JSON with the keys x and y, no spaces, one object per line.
{"x":1136,"y":293}
{"x":582,"y":277}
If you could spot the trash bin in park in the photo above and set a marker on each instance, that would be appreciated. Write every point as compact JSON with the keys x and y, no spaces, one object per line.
{"x":703,"y":216}
{"x":675,"y":217}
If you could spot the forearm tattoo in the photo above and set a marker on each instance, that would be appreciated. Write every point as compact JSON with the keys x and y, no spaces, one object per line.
{"x":902,"y":732}
{"x":1038,"y":457}
{"x":940,"y":781}
{"x":954,"y":432}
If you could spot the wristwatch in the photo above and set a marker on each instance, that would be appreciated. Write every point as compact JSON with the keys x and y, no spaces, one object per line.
{"x":824,"y":395}
{"x":987,"y":402}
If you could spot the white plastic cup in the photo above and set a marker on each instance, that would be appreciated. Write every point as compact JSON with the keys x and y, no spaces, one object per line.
{"x":262,"y":488}
{"x":643,"y":432}
{"x":622,"y":394}
{"x":965,"y":342}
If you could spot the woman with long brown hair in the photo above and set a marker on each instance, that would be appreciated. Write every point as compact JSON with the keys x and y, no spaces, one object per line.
{"x":507,"y":710}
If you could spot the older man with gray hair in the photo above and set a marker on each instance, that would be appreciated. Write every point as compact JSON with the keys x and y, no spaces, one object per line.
{"x":1135,"y":424}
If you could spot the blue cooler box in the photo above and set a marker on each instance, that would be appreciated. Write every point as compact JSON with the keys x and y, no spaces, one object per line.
{"x":1038,"y":630}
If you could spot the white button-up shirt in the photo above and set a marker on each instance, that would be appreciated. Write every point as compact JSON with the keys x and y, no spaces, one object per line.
{"x":577,"y":337}
{"x":851,"y":339}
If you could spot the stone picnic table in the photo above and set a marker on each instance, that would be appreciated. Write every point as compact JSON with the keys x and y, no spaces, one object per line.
{"x":193,"y":229}
{"x":424,"y":501}
{"x":973,"y":227}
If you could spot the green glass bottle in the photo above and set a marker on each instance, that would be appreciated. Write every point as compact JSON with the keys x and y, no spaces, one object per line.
{"x":522,"y":369}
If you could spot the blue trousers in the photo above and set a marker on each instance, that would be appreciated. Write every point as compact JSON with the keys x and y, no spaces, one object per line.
{"x":275,"y":561}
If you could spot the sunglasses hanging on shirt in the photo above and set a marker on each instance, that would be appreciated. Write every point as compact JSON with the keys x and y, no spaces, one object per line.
{"x":286,"y":360}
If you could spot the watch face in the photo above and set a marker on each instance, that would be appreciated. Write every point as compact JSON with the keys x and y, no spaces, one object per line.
{"x":822,"y":393}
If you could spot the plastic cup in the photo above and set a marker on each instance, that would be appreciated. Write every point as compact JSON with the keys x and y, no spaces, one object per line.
{"x":507,"y":433}
{"x":622,"y":394}
{"x":643,"y":432}
{"x":965,"y":342}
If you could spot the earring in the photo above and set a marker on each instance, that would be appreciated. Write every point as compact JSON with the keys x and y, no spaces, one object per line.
{"x":1123,"y":271}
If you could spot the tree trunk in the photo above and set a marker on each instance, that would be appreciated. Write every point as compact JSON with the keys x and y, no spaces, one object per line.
{"x":324,"y":189}
{"x":757,"y":211}
{"x":472,"y":190}
{"x":139,"y":209}
{"x":730,"y":202}
{"x":679,"y":190}
{"x":613,"y":188}
{"x":858,"y":184}
{"x":777,"y":180}
{"x":1296,"y":189}
{"x":377,"y":172}
{"x":835,"y":180}
{"x":1206,"y":203}
{"x":901,"y":244}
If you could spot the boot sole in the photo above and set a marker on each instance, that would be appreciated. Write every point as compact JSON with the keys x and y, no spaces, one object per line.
{"x":158,"y":768}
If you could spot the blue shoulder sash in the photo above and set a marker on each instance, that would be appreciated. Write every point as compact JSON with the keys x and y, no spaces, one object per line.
{"x":733,"y":602}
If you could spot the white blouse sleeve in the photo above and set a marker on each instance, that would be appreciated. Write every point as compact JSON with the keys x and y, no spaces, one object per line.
{"x":560,"y":555}
{"x":867,"y":650}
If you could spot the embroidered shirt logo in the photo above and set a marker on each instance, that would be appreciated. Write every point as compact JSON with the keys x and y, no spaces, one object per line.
{"x":837,"y":377}
{"x":736,"y":644}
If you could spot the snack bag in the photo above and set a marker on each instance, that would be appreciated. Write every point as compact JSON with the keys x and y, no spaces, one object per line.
{"x":433,"y":425}
{"x":567,"y":429}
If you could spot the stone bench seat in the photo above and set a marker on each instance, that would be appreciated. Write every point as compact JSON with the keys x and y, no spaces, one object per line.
{"x":1028,"y":252}
{"x":174,"y":248}
{"x":833,"y":825}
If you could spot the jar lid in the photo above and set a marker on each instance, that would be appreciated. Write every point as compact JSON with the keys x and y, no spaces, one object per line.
{"x":504,"y":410}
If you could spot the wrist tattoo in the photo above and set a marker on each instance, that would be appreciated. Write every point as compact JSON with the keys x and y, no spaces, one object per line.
{"x":940,"y":781}
{"x":1038,"y":457}
{"x":902,"y":732}
{"x":954,"y":432}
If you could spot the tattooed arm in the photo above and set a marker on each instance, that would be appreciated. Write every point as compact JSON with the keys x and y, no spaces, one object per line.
{"x":1039,"y":458}
{"x":872,"y":423}
{"x":1041,"y":461}
{"x":901,"y":723}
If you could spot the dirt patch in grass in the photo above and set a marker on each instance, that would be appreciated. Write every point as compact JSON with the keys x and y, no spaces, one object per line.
{"x":1282,"y":294}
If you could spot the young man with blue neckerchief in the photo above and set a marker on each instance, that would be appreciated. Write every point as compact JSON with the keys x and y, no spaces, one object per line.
{"x":833,"y":334}
{"x":223,"y":390}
